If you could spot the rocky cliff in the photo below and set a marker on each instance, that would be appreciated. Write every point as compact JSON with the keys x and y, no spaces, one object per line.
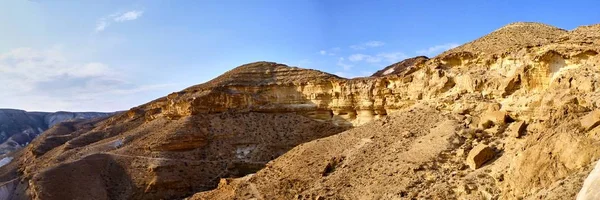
{"x":18,"y":128}
{"x":505,"y":116}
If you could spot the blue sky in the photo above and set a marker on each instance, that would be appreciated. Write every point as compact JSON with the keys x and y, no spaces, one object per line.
{"x":113,"y":55}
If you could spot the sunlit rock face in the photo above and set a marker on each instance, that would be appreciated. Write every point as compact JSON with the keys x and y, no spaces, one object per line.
{"x":531,"y":73}
{"x":239,"y":122}
{"x":275,"y":88}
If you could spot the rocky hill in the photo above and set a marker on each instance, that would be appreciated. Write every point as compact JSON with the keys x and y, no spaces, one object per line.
{"x":402,"y":67}
{"x":512,"y":115}
{"x":18,"y":127}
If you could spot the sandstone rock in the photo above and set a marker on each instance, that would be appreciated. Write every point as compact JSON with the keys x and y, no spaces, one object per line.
{"x":467,"y":133}
{"x":479,"y":156}
{"x":460,"y":152}
{"x":234,"y":124}
{"x":520,"y":66}
{"x":591,"y":120}
{"x":516,"y":129}
{"x":491,"y":118}
{"x":591,"y":186}
{"x":494,"y":131}
{"x":494,"y":107}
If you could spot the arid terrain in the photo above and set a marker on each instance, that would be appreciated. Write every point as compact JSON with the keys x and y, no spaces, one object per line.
{"x":511,"y":115}
{"x":18,"y":128}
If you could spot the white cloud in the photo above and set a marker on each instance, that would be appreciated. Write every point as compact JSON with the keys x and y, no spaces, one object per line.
{"x":434,"y":50}
{"x":374,"y":44}
{"x":380,"y":60}
{"x":101,"y":25}
{"x":48,"y":80}
{"x":330,"y":52}
{"x":365,"y":45}
{"x":381,"y":57}
{"x":357,"y":57}
{"x":104,"y":22}
{"x":343,"y":64}
{"x":128,"y":16}
{"x":392,"y":57}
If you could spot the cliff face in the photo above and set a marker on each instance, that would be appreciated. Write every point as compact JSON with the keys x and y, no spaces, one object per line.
{"x":18,"y":127}
{"x":522,"y":81}
{"x":507,"y":104}
{"x":512,"y":105}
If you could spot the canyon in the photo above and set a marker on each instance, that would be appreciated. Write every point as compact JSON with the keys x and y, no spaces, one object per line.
{"x":18,"y":128}
{"x":511,"y":115}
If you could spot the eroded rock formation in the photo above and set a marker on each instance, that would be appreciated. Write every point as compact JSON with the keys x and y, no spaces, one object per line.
{"x":529,"y":78}
{"x":538,"y":80}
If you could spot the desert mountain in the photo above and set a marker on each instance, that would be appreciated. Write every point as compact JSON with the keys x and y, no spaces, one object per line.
{"x":506,"y":116}
{"x":18,"y":127}
{"x":509,"y":116}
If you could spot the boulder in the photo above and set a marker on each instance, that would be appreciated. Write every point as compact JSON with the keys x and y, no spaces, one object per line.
{"x":516,"y":129}
{"x":493,"y":131}
{"x":591,"y":120}
{"x":490,"y":118}
{"x":479,"y":156}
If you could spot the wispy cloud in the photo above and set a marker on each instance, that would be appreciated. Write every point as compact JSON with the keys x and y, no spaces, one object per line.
{"x":120,"y":17}
{"x":101,"y":25}
{"x":330,"y":52}
{"x":49,"y":80}
{"x":365,"y":45}
{"x":128,"y":16}
{"x":362,"y":64}
{"x":381,"y":57}
{"x":434,"y":50}
{"x":341,"y":62}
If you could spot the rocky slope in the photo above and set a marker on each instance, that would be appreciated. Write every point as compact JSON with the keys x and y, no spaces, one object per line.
{"x":505,"y":116}
{"x":18,"y":127}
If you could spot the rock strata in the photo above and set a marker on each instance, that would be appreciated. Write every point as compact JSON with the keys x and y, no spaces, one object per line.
{"x":269,"y":131}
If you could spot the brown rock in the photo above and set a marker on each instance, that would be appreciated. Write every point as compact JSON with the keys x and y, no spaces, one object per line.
{"x":495,"y":130}
{"x":479,"y":156}
{"x":517,"y":129}
{"x":591,"y":120}
{"x":493,"y":118}
{"x":494,"y":107}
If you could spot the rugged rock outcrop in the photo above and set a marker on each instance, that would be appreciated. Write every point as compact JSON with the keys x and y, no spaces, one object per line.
{"x":18,"y":127}
{"x":402,"y":67}
{"x":530,"y":73}
{"x":433,"y":113}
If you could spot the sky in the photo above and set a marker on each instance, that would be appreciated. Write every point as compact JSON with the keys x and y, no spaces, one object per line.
{"x":58,"y":55}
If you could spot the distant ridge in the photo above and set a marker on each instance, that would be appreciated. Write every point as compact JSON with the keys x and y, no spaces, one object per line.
{"x":19,"y":127}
